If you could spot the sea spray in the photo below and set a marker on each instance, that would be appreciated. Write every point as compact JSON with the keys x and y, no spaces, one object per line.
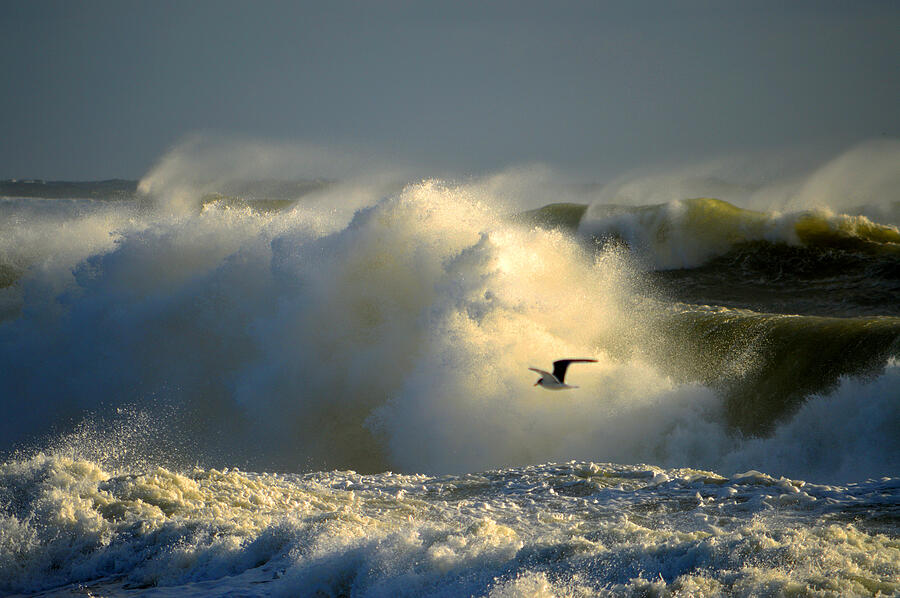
{"x":371,"y":328}
{"x":862,"y":176}
{"x":203,"y":167}
{"x":397,"y":339}
{"x":153,"y":364}
{"x":287,"y":345}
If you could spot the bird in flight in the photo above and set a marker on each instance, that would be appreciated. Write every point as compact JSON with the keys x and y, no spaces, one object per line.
{"x":556,"y":380}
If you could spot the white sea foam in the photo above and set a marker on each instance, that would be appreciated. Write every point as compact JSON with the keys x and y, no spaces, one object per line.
{"x":54,"y":236}
{"x":829,"y":438}
{"x":577,"y":529}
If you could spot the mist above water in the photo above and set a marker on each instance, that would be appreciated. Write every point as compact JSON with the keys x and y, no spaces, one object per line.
{"x":864,"y":176}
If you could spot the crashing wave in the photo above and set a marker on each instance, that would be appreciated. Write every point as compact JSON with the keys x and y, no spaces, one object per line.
{"x":688,"y":233}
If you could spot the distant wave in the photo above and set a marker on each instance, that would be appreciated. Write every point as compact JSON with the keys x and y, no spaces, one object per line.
{"x":688,"y":233}
{"x":709,"y":251}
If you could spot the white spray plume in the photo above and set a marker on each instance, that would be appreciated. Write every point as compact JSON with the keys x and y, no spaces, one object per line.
{"x":867,"y":174}
{"x":204,"y":163}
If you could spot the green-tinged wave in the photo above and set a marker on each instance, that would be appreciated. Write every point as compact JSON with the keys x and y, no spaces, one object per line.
{"x":688,"y":233}
{"x":855,"y":233}
{"x":767,"y":365}
{"x":708,"y":251}
{"x":566,"y":216}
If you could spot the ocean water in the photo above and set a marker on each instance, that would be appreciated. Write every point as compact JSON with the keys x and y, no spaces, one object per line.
{"x":321,"y":389}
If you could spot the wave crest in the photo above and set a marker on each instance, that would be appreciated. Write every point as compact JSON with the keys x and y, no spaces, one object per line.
{"x":688,"y":233}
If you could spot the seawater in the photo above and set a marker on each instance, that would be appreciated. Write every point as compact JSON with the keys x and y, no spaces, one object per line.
{"x":572,"y":529}
{"x":207,"y":396}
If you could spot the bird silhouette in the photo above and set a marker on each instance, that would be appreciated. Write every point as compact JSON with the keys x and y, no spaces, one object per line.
{"x":557,"y":380}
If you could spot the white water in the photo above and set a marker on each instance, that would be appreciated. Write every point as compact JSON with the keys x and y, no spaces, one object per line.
{"x":397,"y":338}
{"x":150,"y":351}
{"x":576,"y":529}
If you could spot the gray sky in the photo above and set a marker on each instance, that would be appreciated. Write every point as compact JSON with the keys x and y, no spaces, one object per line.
{"x":102,"y":89}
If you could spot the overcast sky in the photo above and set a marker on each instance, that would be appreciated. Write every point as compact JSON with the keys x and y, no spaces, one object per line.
{"x":102,"y":89}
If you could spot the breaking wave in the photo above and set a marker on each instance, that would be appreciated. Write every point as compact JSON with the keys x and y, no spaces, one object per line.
{"x":397,"y":336}
{"x":689,"y":233}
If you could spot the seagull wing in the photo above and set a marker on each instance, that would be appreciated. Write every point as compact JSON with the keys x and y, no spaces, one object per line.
{"x":561,"y":365}
{"x":546,"y":376}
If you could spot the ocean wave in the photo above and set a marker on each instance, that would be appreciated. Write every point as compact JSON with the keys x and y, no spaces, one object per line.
{"x":398,"y":337}
{"x":766,"y":365}
{"x":154,"y":353}
{"x":688,"y":233}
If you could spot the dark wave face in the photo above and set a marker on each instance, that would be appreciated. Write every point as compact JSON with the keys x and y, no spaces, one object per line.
{"x":788,"y":279}
{"x":782,"y":359}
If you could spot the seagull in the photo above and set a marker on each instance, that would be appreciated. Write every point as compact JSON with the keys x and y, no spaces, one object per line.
{"x":556,"y":380}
